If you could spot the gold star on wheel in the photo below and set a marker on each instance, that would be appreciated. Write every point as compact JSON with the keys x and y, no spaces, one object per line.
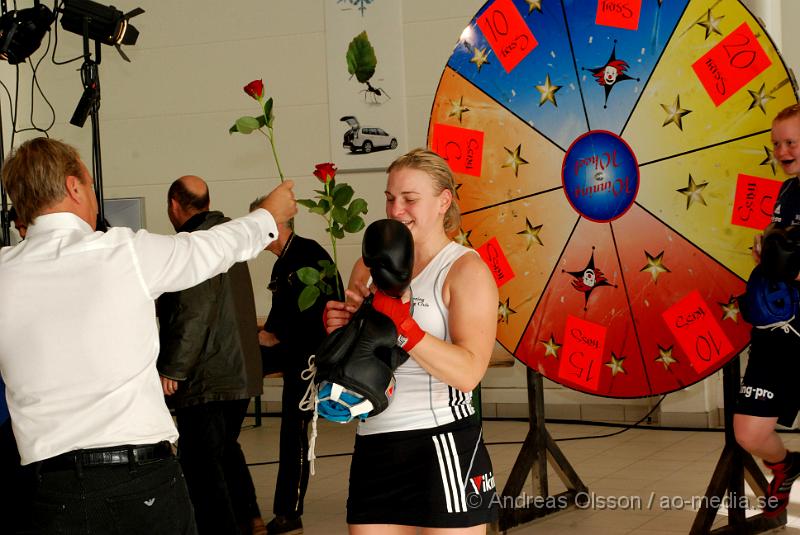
{"x":534,"y":4}
{"x":547,"y":92}
{"x":655,"y":265}
{"x":463,"y":238}
{"x":760,"y":98}
{"x":665,"y":356}
{"x":550,"y":347}
{"x":770,"y":159}
{"x":693,"y":192}
{"x":457,"y":108}
{"x":514,"y":160}
{"x":675,"y":113}
{"x":616,"y":365}
{"x":730,"y":310}
{"x":711,"y":24}
{"x":504,"y":310}
{"x":531,"y":234}
{"x":479,"y":57}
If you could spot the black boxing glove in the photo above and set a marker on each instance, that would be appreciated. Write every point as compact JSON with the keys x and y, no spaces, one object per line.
{"x":388,"y":252}
{"x":780,"y":253}
{"x":367,"y":367}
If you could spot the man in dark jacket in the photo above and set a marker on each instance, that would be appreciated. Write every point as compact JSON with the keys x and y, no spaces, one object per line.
{"x":289,"y":337}
{"x":210,"y":367}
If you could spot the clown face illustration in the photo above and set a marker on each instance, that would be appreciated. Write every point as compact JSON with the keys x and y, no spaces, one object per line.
{"x":589,"y":278}
{"x":610,"y":74}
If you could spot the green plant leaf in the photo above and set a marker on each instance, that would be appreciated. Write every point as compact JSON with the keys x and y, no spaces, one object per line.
{"x":321,"y":192}
{"x":308,"y":275}
{"x":307,"y":297}
{"x":245,"y":125}
{"x":354,"y":224}
{"x":337,"y":232}
{"x":361,"y":59}
{"x":268,"y":112}
{"x":358,"y":206}
{"x":342,"y":194}
{"x":327,"y":289}
{"x":325,"y":204}
{"x":317,"y":210}
{"x":308,"y":203}
{"x":324,"y":264}
{"x":329,"y":271}
{"x":339,"y":215}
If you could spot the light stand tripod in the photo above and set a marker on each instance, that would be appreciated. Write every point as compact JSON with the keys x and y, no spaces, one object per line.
{"x":89,"y":105}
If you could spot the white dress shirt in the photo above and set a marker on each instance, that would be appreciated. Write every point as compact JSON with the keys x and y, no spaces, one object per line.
{"x":78,"y":333}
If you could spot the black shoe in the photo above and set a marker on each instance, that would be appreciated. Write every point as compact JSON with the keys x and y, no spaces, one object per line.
{"x":284,"y":525}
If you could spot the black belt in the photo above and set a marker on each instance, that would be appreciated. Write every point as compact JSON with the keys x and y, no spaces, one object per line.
{"x":117,"y":455}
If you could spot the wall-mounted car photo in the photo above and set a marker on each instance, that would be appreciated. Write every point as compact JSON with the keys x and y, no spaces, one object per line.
{"x":366,"y":138}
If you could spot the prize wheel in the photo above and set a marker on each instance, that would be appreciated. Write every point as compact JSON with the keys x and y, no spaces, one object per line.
{"x":614,"y":161}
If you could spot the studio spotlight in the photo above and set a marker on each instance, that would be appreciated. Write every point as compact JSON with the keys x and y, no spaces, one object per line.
{"x":22,"y":31}
{"x":105,"y":24}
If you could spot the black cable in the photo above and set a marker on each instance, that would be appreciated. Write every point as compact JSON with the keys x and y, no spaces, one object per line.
{"x":56,"y":9}
{"x":625,"y":428}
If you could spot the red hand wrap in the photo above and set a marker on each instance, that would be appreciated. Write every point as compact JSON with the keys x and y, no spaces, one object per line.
{"x":408,"y":331}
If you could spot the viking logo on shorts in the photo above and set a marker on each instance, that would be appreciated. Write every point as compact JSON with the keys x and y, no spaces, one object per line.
{"x":482,"y":483}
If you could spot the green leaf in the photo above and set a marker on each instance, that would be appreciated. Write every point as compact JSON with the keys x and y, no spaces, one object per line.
{"x":245,"y":125}
{"x":337,"y":232}
{"x":325,"y":204}
{"x":317,"y":210}
{"x":354,"y":224}
{"x":308,"y":275}
{"x":329,"y":271}
{"x":307,"y":297}
{"x":327,"y":289}
{"x":308,"y":203}
{"x":324,"y":264}
{"x":361,"y":59}
{"x":358,"y":206}
{"x":321,"y":192}
{"x":268,"y":112}
{"x":339,"y":215}
{"x":342,"y":194}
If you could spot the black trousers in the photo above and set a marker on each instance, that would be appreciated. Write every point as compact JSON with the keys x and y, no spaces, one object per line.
{"x":15,"y":488}
{"x":147,"y":499}
{"x":219,"y":481}
{"x":293,"y":470}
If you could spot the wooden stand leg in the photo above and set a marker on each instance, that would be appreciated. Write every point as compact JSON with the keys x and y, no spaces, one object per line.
{"x":537,"y":449}
{"x":727,"y":484}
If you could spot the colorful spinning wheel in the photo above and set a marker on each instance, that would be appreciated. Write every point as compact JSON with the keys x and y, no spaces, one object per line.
{"x":613,"y":160}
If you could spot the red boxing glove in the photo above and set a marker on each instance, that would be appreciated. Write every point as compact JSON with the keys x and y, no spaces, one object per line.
{"x":409,"y":332}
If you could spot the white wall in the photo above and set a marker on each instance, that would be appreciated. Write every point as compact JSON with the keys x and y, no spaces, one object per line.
{"x":167,"y":114}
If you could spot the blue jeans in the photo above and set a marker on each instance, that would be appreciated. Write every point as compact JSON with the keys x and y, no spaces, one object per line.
{"x":146,"y":499}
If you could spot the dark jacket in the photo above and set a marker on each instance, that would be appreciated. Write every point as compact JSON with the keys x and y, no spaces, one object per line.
{"x":208,"y":335}
{"x":300,"y":333}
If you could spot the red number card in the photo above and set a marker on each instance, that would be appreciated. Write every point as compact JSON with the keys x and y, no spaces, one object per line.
{"x":730,"y":65}
{"x":697,"y":331}
{"x":493,"y":255}
{"x":754,"y":201}
{"x":507,"y":33}
{"x":582,"y":354}
{"x":619,"y":13}
{"x":461,"y":147}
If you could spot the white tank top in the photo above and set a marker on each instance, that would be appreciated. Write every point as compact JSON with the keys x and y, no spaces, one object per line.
{"x":420,"y":400}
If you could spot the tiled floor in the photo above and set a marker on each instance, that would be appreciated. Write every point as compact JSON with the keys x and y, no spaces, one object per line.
{"x":650,"y":474}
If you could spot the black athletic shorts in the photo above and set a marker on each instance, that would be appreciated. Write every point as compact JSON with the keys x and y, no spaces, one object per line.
{"x":771,"y":386}
{"x":440,"y":477}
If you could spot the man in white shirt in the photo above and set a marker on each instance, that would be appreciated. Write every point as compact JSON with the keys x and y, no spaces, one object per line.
{"x":79,"y":341}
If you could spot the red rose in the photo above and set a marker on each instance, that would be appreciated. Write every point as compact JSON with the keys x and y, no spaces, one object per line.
{"x":255,"y":89}
{"x":325,"y":172}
